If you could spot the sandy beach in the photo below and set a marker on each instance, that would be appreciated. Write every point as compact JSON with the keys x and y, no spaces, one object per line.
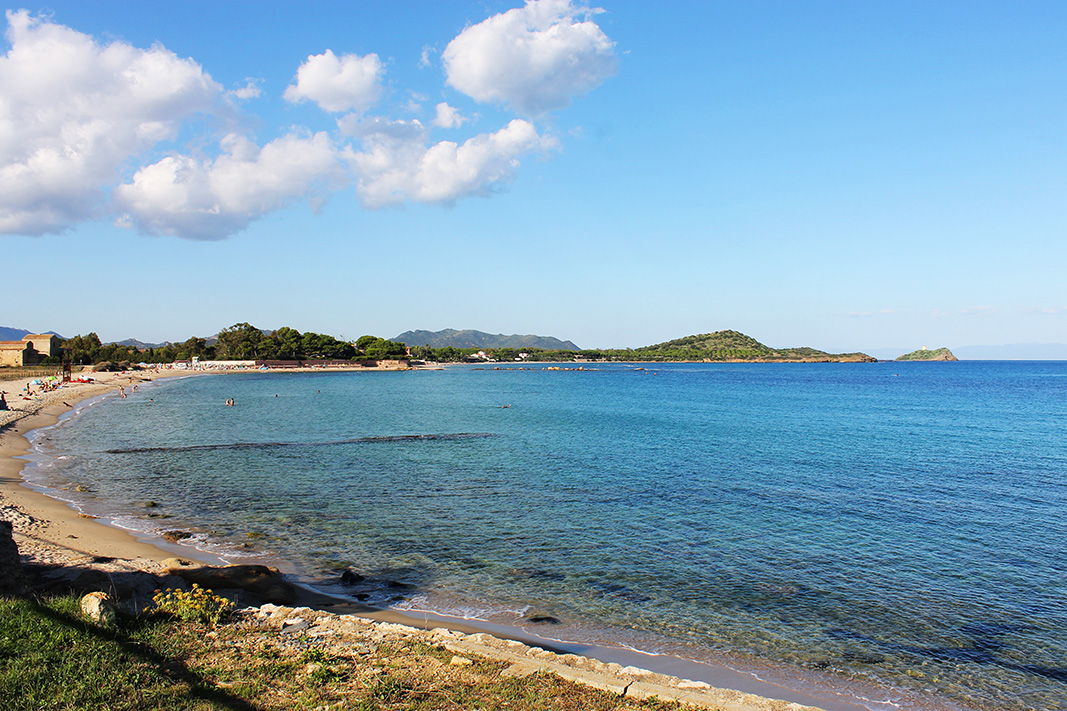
{"x":48,"y":532}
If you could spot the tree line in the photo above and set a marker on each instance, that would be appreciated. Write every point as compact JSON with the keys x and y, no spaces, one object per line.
{"x":242,"y":341}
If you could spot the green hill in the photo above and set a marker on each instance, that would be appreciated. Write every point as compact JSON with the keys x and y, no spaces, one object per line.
{"x":925,"y":354}
{"x":733,"y":346}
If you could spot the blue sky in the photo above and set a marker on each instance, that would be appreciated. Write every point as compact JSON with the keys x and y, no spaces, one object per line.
{"x":849,"y":176}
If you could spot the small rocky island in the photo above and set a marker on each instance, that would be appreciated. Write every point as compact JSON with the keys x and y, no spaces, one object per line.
{"x":925,"y":354}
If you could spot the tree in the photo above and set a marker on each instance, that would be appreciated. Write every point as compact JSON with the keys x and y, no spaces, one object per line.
{"x":238,"y":342}
{"x":381,"y":348}
{"x":290,"y":345}
{"x":363,"y":341}
{"x":83,"y":350}
{"x":422,"y":352}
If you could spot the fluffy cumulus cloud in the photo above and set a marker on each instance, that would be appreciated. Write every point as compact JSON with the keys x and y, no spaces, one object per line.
{"x":346,"y":83}
{"x":73,"y":111}
{"x":211,"y":199}
{"x":397,"y":164}
{"x":83,"y":124}
{"x":533,"y":59}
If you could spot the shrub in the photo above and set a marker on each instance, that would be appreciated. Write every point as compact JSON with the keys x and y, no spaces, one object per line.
{"x":196,"y":605}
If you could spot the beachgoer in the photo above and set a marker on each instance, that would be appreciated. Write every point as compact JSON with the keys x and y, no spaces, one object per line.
{"x":3,"y":401}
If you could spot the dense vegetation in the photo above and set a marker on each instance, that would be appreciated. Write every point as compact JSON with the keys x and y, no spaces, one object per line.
{"x":725,"y":346}
{"x":241,"y":341}
{"x":925,"y":354}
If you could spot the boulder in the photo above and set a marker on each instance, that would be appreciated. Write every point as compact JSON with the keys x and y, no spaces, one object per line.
{"x":97,"y":606}
{"x":12,"y":578}
{"x":263,"y":582}
{"x":543,"y":619}
{"x":350,"y":578}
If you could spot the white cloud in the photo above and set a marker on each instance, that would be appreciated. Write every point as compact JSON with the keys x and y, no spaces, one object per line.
{"x":73,"y":111}
{"x":346,"y":83}
{"x":396,"y":164}
{"x":83,"y":124}
{"x":534,"y":59}
{"x":448,"y":117}
{"x":424,"y":58}
{"x":251,"y":90}
{"x":212,"y":199}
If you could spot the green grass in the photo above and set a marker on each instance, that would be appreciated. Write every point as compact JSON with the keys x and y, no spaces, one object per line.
{"x":50,"y":658}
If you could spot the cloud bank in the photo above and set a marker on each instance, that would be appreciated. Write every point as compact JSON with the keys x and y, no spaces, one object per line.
{"x":108,"y":131}
{"x":73,"y":111}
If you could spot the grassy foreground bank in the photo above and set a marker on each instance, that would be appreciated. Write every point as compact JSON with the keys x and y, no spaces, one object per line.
{"x":52,"y":658}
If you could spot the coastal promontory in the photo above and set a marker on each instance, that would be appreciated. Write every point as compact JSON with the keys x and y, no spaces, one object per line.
{"x":943,"y":354}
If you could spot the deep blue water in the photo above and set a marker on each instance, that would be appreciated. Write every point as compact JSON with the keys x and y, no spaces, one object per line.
{"x":901,"y":524}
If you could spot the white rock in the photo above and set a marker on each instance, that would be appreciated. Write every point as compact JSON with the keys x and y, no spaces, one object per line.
{"x":687,"y":684}
{"x":99,"y":608}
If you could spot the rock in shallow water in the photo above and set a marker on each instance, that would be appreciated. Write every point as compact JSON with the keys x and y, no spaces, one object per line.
{"x":264,"y":582}
{"x":543,"y":619}
{"x":350,"y":578}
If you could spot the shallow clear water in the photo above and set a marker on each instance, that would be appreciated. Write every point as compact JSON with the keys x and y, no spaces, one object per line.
{"x":901,"y":524}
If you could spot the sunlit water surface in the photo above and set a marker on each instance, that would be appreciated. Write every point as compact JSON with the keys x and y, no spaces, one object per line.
{"x":898,"y":524}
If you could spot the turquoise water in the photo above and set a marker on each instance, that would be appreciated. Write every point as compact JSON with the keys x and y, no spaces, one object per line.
{"x":900,"y":525}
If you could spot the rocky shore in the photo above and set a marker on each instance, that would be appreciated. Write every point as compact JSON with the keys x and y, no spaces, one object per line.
{"x":129,"y":586}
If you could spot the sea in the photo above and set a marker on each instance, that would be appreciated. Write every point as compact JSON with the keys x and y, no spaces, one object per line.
{"x":894,"y":531}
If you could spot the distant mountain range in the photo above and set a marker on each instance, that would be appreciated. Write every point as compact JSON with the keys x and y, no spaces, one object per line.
{"x":480,"y":339}
{"x":140,"y":345}
{"x":16,"y":334}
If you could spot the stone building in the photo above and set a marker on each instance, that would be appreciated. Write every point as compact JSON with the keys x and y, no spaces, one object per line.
{"x":31,"y":350}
